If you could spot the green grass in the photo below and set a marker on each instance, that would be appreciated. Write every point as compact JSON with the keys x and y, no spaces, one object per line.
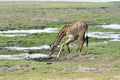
{"x":5,"y":51}
{"x":34,"y":40}
{"x":110,"y":49}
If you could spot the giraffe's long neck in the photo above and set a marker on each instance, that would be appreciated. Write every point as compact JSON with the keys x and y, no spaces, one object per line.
{"x":59,"y":37}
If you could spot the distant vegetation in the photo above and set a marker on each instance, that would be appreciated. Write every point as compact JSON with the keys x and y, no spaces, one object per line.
{"x":30,"y":15}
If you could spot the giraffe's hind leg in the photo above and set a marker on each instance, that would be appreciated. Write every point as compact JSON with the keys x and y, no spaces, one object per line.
{"x":68,"y":47}
{"x":82,"y":40}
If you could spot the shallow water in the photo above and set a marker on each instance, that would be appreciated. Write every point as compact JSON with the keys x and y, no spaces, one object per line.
{"x":110,"y":35}
{"x":26,"y":48}
{"x":47,"y":30}
{"x":13,"y":33}
{"x":111,"y":26}
{"x":23,"y":56}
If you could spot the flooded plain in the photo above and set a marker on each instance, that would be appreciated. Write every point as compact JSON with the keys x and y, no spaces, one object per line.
{"x":112,"y":36}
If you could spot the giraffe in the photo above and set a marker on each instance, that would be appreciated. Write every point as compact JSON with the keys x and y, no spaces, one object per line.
{"x":72,"y":32}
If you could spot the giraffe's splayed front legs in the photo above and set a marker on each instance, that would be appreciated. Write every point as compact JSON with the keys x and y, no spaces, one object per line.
{"x":70,"y":39}
{"x":60,"y":50}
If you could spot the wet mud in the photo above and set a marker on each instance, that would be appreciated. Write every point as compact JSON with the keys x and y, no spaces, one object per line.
{"x":64,"y":58}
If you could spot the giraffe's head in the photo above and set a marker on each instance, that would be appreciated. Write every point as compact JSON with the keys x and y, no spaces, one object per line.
{"x":52,"y":49}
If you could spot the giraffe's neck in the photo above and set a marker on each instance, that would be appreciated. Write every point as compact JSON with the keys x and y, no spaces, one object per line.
{"x":59,"y":37}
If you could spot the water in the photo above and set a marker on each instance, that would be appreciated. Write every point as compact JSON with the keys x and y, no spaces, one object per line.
{"x":23,"y":56}
{"x":111,"y":26}
{"x":13,"y":33}
{"x":26,"y":48}
{"x":47,"y":30}
{"x":110,"y":35}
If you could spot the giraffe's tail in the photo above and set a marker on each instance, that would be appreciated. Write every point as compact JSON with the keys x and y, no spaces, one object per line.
{"x":86,"y":39}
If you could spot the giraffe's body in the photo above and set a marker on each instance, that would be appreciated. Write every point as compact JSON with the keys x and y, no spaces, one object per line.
{"x":72,"y":31}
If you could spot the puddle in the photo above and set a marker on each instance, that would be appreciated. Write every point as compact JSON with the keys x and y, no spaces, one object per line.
{"x":47,"y":30}
{"x":23,"y":56}
{"x":112,"y":26}
{"x":110,"y":35}
{"x":13,"y":33}
{"x":27,"y":48}
{"x":104,"y":42}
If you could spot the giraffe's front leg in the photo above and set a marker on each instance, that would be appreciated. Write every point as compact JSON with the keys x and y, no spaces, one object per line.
{"x":58,"y":55}
{"x":70,"y":39}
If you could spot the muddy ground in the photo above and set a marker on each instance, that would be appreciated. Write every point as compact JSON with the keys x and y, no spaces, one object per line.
{"x":74,"y":58}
